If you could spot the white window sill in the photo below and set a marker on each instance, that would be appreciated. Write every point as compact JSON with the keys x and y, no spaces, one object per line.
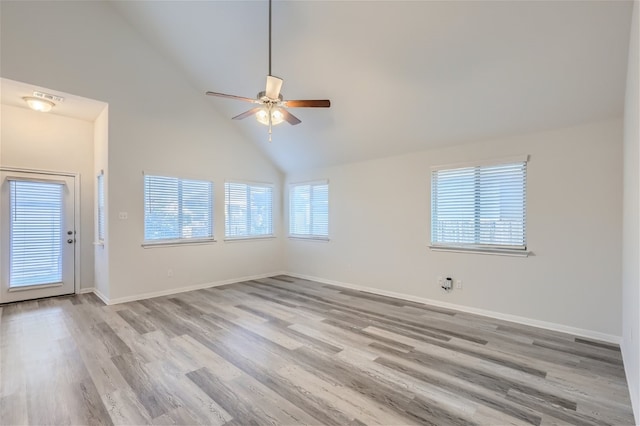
{"x":478,"y":250}
{"x":249,"y":238}
{"x":175,"y":243}
{"x":302,"y":238}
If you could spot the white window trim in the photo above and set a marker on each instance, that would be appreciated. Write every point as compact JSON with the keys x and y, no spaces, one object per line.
{"x":177,"y":175}
{"x":250,"y":237}
{"x":310,"y":182}
{"x":250,"y":182}
{"x":180,"y":241}
{"x":303,"y":237}
{"x":487,"y":162}
{"x":481,"y":249}
{"x":100,"y":241}
{"x":247,"y":239}
{"x":308,"y":238}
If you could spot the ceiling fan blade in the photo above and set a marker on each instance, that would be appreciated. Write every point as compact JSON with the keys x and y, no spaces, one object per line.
{"x":318,"y":103}
{"x":239,"y":98}
{"x":274,"y":84}
{"x":246,"y":114}
{"x":291,"y":119}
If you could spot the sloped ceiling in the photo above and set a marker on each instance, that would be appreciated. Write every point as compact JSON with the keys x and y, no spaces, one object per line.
{"x":401,"y":76}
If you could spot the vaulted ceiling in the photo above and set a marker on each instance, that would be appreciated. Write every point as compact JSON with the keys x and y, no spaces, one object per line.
{"x":401,"y":76}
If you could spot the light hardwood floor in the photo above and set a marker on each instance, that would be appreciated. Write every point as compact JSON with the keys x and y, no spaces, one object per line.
{"x":289,"y":351}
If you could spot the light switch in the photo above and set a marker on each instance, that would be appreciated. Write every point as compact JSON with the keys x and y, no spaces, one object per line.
{"x":122,"y":216}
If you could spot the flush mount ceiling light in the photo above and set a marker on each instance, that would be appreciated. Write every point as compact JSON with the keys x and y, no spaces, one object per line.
{"x":42,"y":102}
{"x":37,"y":104}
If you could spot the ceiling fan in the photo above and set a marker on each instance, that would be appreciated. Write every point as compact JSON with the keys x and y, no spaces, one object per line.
{"x":272,"y":108}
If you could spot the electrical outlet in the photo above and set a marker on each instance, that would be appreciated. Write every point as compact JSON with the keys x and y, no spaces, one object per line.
{"x":448,"y":284}
{"x":123,"y":215}
{"x":170,"y":273}
{"x":445,"y":283}
{"x":459,"y":284}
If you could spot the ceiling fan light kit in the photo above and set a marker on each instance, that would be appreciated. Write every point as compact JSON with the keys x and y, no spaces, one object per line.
{"x":272,"y":110}
{"x":277,"y":116}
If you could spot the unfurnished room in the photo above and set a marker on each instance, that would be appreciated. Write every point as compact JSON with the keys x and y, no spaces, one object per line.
{"x":319,"y":212}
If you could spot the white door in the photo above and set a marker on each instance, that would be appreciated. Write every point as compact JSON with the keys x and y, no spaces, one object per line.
{"x":37,"y":228}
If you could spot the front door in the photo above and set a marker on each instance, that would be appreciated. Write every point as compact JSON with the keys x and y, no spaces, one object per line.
{"x":37,"y":225}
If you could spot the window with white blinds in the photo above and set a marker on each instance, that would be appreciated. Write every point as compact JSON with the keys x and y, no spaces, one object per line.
{"x":309,"y":210}
{"x":248,"y":210}
{"x":101,"y":212}
{"x":177,"y":210}
{"x":480,"y":207}
{"x":36,"y":222}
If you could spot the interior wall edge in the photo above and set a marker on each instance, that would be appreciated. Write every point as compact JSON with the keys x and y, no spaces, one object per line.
{"x":178,"y":290}
{"x":626,"y":361}
{"x":101,"y":296}
{"x":590,"y":334}
{"x":630,"y":314}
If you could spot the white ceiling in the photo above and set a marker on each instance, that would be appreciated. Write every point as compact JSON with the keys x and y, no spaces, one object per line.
{"x":401,"y":76}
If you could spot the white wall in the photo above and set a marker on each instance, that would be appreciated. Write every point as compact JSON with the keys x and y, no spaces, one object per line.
{"x":631,"y":223}
{"x":33,"y":140}
{"x":157,"y":122}
{"x":380,"y":218}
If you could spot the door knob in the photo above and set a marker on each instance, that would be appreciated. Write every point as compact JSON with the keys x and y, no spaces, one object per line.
{"x":70,"y":240}
{"x":69,"y":232}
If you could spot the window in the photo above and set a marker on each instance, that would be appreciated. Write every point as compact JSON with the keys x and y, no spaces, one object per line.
{"x":309,"y":210}
{"x":177,"y":210}
{"x":248,"y":210}
{"x":36,"y":226}
{"x":101,"y":213}
{"x":481,"y":207}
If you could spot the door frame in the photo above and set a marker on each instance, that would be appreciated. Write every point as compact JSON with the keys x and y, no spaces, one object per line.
{"x":76,"y":214}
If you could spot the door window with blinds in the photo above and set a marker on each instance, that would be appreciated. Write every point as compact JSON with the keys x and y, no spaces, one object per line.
{"x":177,"y":210}
{"x":309,"y":210}
{"x":248,"y":210}
{"x":36,"y":232}
{"x":480,"y":207}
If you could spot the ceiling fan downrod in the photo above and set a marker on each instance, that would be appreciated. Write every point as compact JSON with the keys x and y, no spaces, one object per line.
{"x":269,"y":109}
{"x":269,"y":37}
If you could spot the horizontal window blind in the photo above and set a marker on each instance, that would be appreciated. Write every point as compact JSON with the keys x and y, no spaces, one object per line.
{"x":101,"y":212}
{"x":309,"y":210}
{"x":248,"y":210}
{"x":482,"y":206}
{"x":36,"y":227}
{"x":177,"y":209}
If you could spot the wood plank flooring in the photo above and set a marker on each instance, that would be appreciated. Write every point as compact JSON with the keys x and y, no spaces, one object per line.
{"x":289,"y":351}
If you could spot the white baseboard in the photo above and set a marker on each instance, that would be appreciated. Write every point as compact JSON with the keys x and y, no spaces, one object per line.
{"x":101,"y":296}
{"x":171,"y":291}
{"x":596,"y":335}
{"x":483,"y":312}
